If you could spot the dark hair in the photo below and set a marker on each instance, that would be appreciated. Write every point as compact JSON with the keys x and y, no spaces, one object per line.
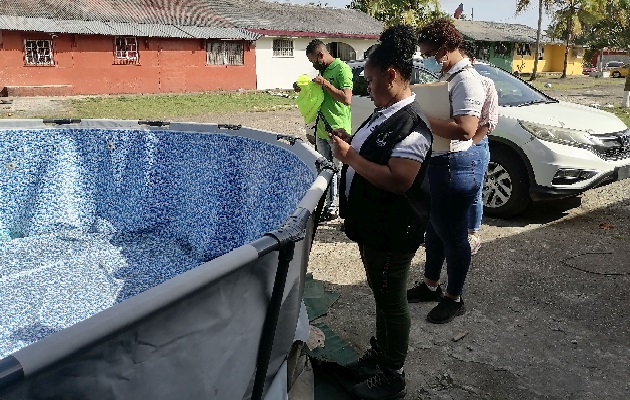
{"x":441,"y":32}
{"x":396,"y":49}
{"x":313,"y":45}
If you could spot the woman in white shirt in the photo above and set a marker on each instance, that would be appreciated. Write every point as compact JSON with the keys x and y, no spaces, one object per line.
{"x":454,"y":173}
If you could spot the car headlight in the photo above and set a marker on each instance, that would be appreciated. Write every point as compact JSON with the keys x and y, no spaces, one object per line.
{"x":556,"y":134}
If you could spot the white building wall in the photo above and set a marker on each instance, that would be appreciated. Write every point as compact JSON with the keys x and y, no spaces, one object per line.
{"x":280,"y":72}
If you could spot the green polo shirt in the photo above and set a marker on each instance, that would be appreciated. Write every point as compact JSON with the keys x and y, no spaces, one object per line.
{"x":337,"y":114}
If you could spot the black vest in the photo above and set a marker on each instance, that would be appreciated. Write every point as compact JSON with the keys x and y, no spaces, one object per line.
{"x":375,"y":217}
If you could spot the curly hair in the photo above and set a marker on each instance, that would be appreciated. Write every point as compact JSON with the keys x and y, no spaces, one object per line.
{"x":396,"y":49}
{"x":441,"y":32}
{"x":468,"y":48}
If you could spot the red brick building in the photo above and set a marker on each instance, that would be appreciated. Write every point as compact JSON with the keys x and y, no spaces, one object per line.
{"x":108,"y":46}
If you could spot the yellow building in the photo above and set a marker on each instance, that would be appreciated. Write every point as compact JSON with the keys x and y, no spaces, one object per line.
{"x":513,"y":48}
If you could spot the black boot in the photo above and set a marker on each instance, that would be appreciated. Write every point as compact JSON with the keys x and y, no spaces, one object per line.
{"x":387,"y":384}
{"x":367,"y":365}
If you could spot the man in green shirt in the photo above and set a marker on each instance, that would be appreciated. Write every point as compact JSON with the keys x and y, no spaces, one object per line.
{"x":335,"y":77}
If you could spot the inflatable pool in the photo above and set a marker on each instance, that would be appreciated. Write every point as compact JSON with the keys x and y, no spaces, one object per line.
{"x":152,"y":260}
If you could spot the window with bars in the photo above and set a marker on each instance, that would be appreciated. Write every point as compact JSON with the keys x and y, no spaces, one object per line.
{"x":522,"y":49}
{"x":222,"y":52}
{"x":283,"y":48}
{"x":126,"y":50}
{"x":38,"y":52}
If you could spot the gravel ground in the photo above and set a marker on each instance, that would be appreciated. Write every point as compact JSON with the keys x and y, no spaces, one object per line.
{"x":539,"y":325}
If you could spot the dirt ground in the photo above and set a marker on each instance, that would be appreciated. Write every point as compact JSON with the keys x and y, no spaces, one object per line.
{"x":547,"y":295}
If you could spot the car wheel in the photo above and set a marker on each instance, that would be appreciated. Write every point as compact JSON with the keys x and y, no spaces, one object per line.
{"x":616,"y":74}
{"x":506,"y":185}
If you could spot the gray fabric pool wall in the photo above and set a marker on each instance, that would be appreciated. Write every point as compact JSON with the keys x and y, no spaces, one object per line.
{"x":194,"y":336}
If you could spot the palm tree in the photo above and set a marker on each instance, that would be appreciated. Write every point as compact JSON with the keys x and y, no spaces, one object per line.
{"x":522,"y":5}
{"x":572,"y":14}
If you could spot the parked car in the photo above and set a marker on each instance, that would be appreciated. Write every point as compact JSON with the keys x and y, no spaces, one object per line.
{"x":620,"y":72}
{"x":541,"y":149}
{"x":587,"y":68}
{"x":612,"y":65}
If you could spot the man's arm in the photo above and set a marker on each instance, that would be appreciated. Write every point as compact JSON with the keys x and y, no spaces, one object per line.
{"x":341,"y":95}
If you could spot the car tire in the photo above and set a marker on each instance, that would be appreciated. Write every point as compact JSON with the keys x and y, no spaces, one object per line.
{"x":616,"y":74}
{"x":506,"y":184}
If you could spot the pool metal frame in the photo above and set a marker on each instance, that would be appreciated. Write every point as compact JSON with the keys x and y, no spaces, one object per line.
{"x":51,"y":349}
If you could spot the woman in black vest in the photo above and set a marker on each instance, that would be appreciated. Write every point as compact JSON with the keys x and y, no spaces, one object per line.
{"x":384,"y":206}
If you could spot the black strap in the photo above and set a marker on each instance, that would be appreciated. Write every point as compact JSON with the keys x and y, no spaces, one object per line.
{"x":450,"y":78}
{"x":321,"y":117}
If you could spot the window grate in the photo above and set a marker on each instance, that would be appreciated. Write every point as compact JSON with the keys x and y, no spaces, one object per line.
{"x":126,"y":50}
{"x":38,"y":52}
{"x":523,"y":49}
{"x":283,"y":48}
{"x":221,"y":52}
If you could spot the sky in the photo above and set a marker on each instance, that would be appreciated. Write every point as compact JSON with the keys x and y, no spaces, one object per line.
{"x":482,"y":10}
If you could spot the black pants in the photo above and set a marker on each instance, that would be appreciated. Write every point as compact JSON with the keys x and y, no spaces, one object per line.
{"x":387,"y":275}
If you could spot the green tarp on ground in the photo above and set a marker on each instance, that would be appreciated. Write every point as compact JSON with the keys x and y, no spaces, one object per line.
{"x":336,"y":350}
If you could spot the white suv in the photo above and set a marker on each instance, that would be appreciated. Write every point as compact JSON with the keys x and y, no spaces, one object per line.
{"x":541,"y":149}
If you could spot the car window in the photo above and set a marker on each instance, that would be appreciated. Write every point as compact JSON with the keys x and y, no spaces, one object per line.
{"x":418,"y":76}
{"x":359,"y":84}
{"x":512,"y":91}
{"x":421,"y":76}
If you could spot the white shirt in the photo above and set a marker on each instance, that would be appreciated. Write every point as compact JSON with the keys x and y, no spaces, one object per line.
{"x":467,"y":95}
{"x":413,"y":147}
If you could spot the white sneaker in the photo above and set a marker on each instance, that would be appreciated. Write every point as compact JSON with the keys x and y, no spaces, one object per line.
{"x":475,"y":244}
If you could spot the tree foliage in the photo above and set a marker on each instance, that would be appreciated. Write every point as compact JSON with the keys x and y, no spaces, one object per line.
{"x":611,"y":31}
{"x":569,"y":19}
{"x":411,"y":12}
{"x":543,"y":5}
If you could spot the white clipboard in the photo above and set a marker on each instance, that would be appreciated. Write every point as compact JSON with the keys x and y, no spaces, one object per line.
{"x":434,"y":101}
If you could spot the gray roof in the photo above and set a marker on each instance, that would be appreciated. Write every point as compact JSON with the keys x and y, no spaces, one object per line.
{"x":10,"y":22}
{"x":499,"y":32}
{"x":163,"y":18}
{"x":273,"y":16}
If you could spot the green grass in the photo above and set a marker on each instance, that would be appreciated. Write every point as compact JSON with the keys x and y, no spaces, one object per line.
{"x":622,"y":113}
{"x":156,"y":107}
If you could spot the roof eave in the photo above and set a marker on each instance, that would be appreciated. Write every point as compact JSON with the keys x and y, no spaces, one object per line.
{"x":273,"y":32}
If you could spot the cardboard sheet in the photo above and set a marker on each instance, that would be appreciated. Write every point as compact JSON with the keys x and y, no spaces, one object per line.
{"x":434,"y":101}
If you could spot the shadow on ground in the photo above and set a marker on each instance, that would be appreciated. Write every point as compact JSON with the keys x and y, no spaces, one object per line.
{"x":547,"y":316}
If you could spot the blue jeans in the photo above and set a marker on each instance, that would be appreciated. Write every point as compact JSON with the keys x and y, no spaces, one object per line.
{"x":476,"y":210}
{"x":323,"y":147}
{"x":454,"y":180}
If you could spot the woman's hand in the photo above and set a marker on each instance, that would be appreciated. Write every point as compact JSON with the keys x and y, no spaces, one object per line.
{"x":341,"y":149}
{"x":341,"y":133}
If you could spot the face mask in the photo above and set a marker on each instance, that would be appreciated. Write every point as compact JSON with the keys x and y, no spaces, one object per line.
{"x":321,"y":67}
{"x":432,"y":65}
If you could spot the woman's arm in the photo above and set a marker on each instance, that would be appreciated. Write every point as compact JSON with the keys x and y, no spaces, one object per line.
{"x":396,"y":177}
{"x":481,"y":133}
{"x":460,"y":127}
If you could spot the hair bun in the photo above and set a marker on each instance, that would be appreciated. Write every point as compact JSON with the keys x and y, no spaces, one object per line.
{"x":401,"y":39}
